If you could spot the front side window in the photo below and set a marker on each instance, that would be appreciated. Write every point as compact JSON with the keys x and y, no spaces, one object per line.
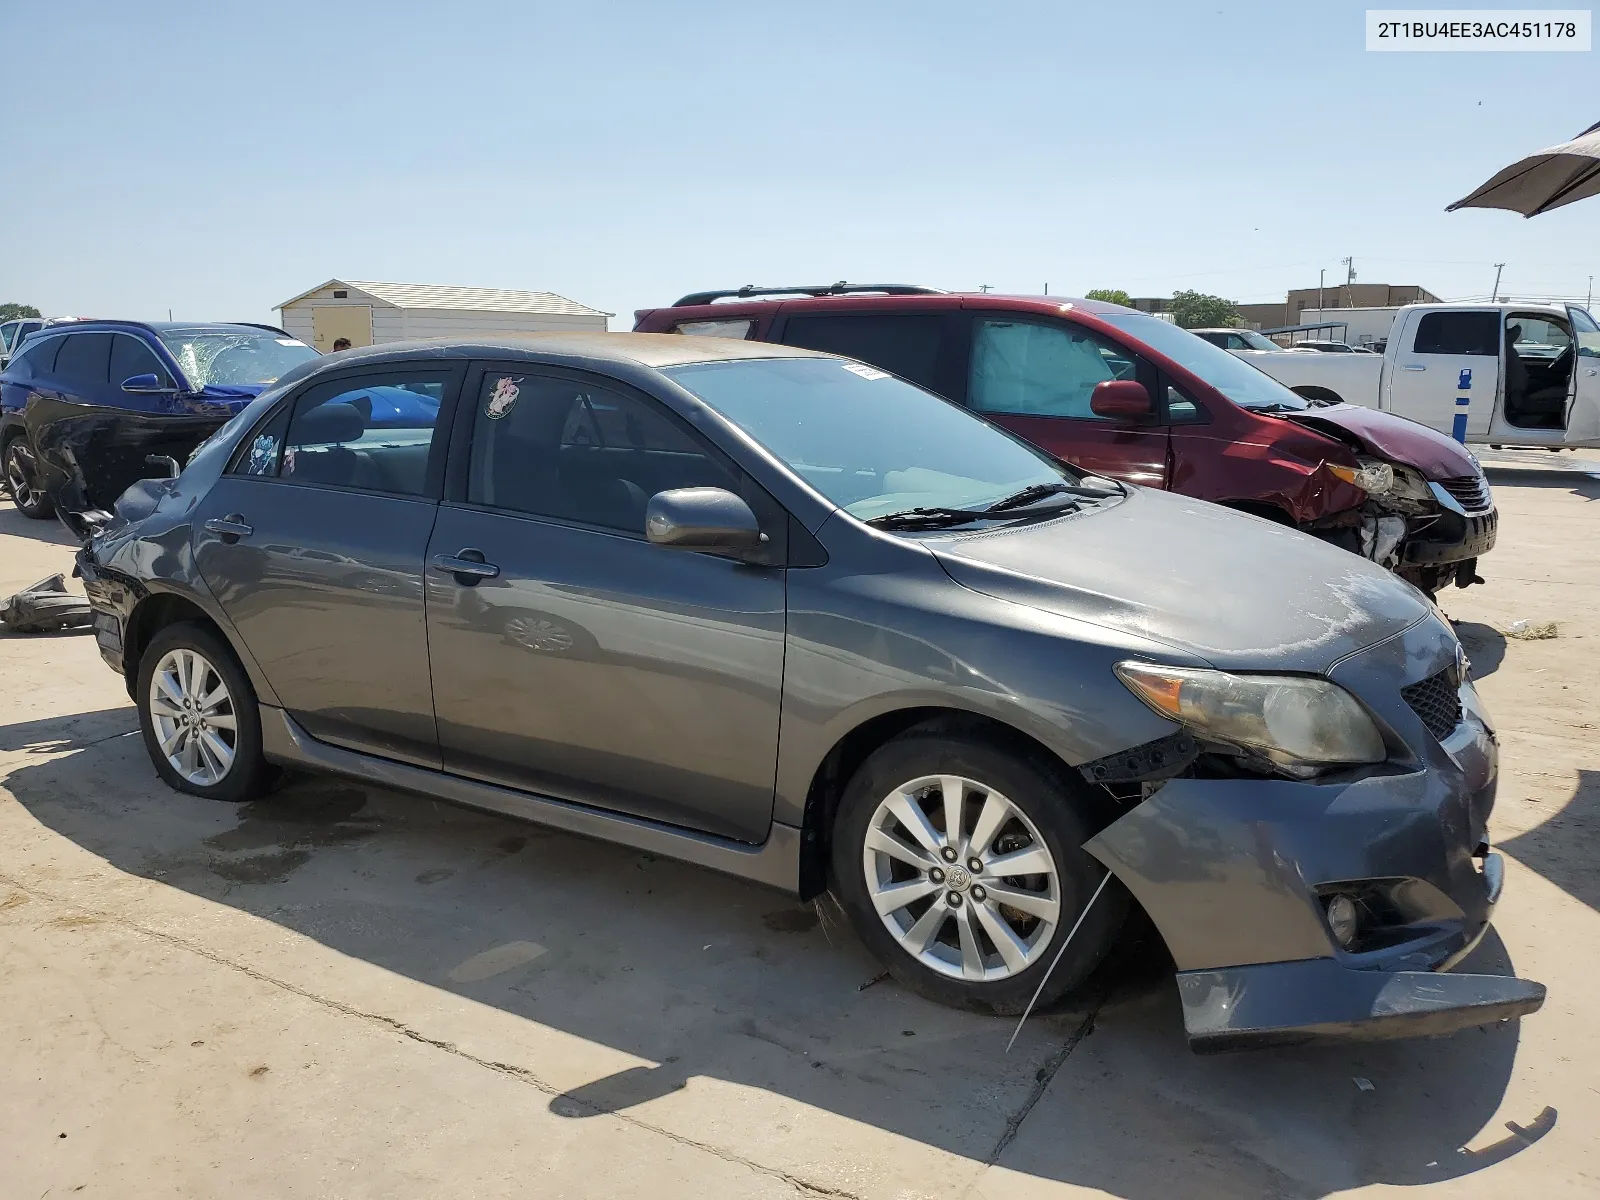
{"x":1236,"y":379}
{"x":1032,"y":369}
{"x":234,"y":355}
{"x":905,"y":345}
{"x":1458,"y":333}
{"x":1586,"y":331}
{"x":869,"y":442}
{"x":374,"y":434}
{"x":130,"y":357}
{"x":573,"y":450}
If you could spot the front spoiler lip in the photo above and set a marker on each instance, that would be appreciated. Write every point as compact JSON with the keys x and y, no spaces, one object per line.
{"x":1320,"y":1001}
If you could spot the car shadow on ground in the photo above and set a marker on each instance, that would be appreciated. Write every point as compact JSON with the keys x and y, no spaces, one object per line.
{"x":1485,"y":646}
{"x":1565,"y":848}
{"x":710,"y":977}
{"x":51,"y":530}
{"x":1579,"y":483}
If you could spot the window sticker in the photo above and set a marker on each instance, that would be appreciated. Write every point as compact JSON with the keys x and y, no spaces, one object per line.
{"x":503,"y":398}
{"x":288,"y":342}
{"x":288,"y":461}
{"x":865,"y":371}
{"x":262,"y":453}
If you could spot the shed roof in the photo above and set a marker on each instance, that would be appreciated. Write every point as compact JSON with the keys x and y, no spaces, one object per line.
{"x":433,"y":295}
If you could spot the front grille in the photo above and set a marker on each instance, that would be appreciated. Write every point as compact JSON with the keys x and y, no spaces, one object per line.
{"x":1470,"y":491}
{"x":1437,"y":700}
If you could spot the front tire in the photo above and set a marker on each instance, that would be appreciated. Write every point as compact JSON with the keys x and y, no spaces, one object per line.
{"x":22,"y":480}
{"x":961,"y":866}
{"x":199,"y":716}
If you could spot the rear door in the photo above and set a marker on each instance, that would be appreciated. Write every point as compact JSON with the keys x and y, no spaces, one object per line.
{"x":1447,"y":371}
{"x":314,"y":545}
{"x":1583,"y":415}
{"x":1034,"y":376}
{"x":573,"y":658}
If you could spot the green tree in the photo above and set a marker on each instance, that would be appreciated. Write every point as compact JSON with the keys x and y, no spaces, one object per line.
{"x":10,"y":312}
{"x":1196,"y":310}
{"x":1110,"y":296}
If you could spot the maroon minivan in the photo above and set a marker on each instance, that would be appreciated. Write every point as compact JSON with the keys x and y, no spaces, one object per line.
{"x":1126,"y":394}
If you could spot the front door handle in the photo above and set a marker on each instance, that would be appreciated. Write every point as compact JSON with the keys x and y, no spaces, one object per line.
{"x":466,"y":565}
{"x":1413,"y":367}
{"x":229,"y":528}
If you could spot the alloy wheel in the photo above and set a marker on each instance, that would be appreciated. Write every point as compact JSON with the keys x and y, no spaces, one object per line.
{"x":19,"y":477}
{"x":193,"y":716}
{"x":961,"y":878}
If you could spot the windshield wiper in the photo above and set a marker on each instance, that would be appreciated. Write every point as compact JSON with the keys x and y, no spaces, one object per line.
{"x":946,"y":518}
{"x":1039,"y":491}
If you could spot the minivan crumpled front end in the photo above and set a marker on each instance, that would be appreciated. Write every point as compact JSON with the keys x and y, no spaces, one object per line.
{"x":1329,"y":908}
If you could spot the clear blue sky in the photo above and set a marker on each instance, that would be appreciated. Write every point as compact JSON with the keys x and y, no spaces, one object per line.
{"x":217,"y":158}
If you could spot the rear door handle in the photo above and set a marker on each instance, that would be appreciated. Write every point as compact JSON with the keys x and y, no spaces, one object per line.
{"x":467,"y":566}
{"x":1413,"y":367}
{"x":229,"y":528}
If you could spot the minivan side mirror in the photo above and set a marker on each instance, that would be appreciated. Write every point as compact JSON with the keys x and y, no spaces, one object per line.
{"x":1122,"y":398}
{"x":701,"y":518}
{"x":150,"y":384}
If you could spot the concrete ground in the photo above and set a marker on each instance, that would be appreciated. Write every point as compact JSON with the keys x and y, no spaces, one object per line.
{"x":343,"y":992}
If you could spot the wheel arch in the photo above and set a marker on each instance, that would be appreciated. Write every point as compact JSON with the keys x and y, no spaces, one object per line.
{"x":847,"y":754}
{"x":159,"y":608}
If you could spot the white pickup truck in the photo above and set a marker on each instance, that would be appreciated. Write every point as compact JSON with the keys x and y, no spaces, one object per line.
{"x":1507,"y":374}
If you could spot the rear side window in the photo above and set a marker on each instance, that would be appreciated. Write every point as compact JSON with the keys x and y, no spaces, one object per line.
{"x":84,"y":359}
{"x":130,"y":357}
{"x":1459,"y":333}
{"x":372,"y":434}
{"x":576,"y":451}
{"x":1029,"y":369}
{"x":727,"y":329}
{"x":34,"y":359}
{"x":907,"y":346}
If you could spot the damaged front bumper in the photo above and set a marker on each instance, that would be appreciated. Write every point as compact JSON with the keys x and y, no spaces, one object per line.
{"x":1237,"y":874}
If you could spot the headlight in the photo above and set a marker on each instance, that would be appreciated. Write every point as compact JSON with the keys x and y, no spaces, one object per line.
{"x":1371,"y":474}
{"x":1290,"y":719}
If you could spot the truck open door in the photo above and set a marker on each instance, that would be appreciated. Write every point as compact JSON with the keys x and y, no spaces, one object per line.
{"x":1445,"y":370}
{"x":1583,"y":408}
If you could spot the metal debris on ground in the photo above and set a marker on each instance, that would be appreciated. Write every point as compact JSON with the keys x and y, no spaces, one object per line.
{"x":45,"y":607}
{"x":1528,"y":631}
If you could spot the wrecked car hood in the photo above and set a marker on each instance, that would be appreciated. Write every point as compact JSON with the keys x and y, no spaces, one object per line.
{"x":1239,"y":591}
{"x":1396,"y":438}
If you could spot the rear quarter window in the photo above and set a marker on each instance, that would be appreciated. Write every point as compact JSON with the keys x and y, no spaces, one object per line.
{"x":907,"y":346}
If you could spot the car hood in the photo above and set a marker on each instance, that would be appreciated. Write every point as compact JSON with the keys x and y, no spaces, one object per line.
{"x":1237,"y":591}
{"x":1398,"y":439}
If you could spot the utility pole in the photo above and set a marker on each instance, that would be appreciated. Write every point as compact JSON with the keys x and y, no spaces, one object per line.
{"x":1320,"y":275}
{"x":1495,"y":296}
{"x":1589,"y":303}
{"x":986,"y":287}
{"x":1349,"y":278}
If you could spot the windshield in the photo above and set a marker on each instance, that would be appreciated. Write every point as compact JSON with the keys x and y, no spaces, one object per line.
{"x":1233,"y":377}
{"x":234,"y":356}
{"x":1256,"y":342}
{"x":871,"y":443}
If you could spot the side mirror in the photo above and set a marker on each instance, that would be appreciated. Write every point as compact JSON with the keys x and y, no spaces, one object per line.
{"x":147,"y":385}
{"x":701,"y":518}
{"x":1122,"y":398}
{"x":169,"y":465}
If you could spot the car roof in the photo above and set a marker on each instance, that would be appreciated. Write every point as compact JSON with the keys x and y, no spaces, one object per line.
{"x":733,"y":307}
{"x":93,"y":324}
{"x":654,"y":350}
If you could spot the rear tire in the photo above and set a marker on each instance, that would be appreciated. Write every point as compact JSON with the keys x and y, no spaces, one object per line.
{"x":21,"y":470}
{"x":199,"y":715}
{"x":988,"y":948}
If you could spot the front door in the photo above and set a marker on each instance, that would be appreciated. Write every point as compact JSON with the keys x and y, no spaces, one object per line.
{"x":1447,"y":371}
{"x":331,"y":322}
{"x":314,"y":546}
{"x":570,"y":656}
{"x":1583,"y":413}
{"x":1035,"y":378}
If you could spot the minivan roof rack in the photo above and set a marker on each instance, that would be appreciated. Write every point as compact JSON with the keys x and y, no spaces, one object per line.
{"x":821,"y":289}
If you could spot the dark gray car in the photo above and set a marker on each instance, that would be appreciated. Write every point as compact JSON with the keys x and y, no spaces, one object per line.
{"x":793,"y":618}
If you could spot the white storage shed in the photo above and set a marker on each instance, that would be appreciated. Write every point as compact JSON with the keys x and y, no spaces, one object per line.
{"x":367,"y":313}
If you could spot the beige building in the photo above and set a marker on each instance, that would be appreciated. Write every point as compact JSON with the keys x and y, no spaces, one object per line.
{"x":368,"y":313}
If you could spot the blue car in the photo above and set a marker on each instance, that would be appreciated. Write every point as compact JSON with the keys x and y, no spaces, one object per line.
{"x":89,"y":408}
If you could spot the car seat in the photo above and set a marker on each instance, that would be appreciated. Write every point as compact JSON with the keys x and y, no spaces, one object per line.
{"x":316,"y":451}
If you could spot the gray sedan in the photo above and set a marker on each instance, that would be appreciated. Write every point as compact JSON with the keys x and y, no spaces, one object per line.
{"x":790,"y":617}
